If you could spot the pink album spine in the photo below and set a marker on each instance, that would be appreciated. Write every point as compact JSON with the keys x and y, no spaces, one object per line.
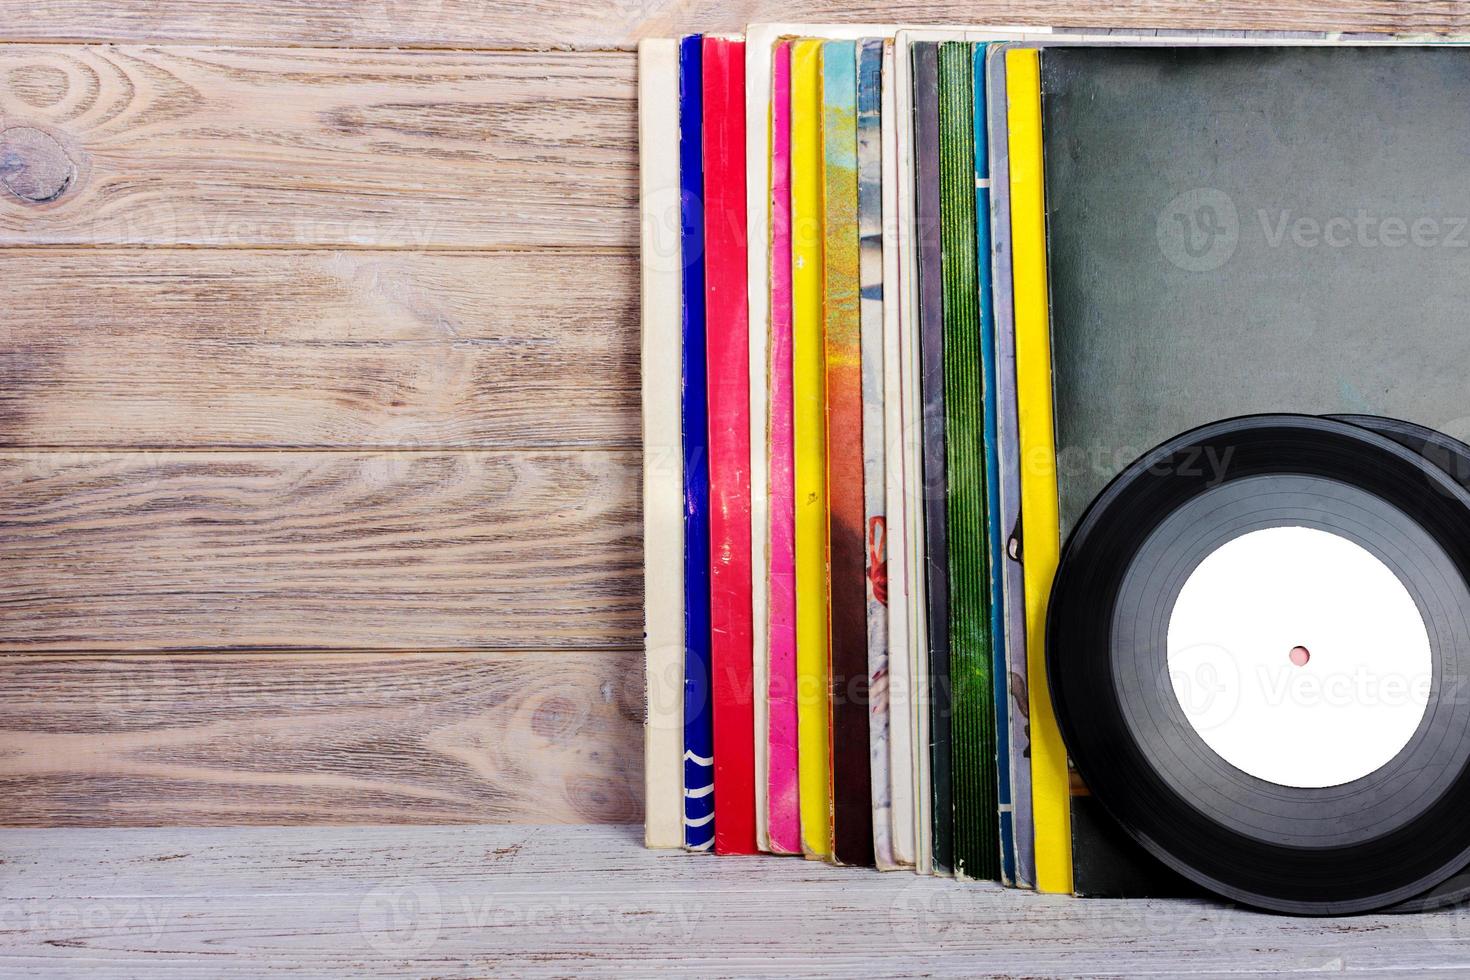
{"x":784,"y":812}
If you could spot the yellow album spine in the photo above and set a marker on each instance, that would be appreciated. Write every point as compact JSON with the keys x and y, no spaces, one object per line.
{"x":1051,"y":798}
{"x":809,"y":423}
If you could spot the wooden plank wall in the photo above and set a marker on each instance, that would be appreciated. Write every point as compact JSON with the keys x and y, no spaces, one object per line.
{"x":318,"y":397}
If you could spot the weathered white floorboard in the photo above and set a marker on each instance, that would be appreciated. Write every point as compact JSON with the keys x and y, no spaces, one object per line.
{"x":559,"y":901}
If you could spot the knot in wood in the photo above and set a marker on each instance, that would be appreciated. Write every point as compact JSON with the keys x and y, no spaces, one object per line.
{"x":34,"y":166}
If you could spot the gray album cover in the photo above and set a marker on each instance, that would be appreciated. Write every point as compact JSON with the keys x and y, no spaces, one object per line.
{"x":1241,"y":230}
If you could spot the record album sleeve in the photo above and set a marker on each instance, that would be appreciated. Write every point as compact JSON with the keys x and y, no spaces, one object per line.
{"x":1040,"y":543}
{"x":1105,"y":862}
{"x":973,"y":748}
{"x":1007,"y":446}
{"x":728,"y":356}
{"x":929,"y":251}
{"x":911,"y":450}
{"x":852,"y":815}
{"x":809,"y":436}
{"x":875,"y":530}
{"x":1267,"y":282}
{"x":699,"y":783}
{"x":782,"y":806}
{"x":663,"y":467}
{"x":901,"y":733}
{"x":1008,"y":766}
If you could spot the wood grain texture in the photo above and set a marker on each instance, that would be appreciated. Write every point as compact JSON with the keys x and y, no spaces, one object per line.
{"x":259,"y":146}
{"x":544,"y":24}
{"x":320,"y":739}
{"x":588,"y":901}
{"x":426,"y":250}
{"x":226,"y":348}
{"x":303,"y":550}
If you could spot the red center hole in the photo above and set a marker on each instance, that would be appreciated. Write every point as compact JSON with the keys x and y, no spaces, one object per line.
{"x":1300,"y":656}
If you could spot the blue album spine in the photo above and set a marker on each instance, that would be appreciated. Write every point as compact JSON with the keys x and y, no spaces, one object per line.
{"x":1001,"y":672}
{"x":699,"y":796}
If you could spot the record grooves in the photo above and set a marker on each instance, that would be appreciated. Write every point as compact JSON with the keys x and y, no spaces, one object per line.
{"x":1366,"y":843}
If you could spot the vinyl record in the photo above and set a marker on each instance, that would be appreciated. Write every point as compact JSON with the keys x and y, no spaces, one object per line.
{"x":1257,"y":645}
{"x":1452,"y":456}
{"x":1446,"y":452}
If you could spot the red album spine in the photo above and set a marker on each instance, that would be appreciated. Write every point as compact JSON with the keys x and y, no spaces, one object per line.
{"x":728,"y":327}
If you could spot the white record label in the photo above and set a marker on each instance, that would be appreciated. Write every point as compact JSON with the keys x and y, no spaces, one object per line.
{"x":1299,"y":657}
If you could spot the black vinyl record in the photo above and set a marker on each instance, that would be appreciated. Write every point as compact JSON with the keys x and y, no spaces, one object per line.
{"x":1449,"y":454}
{"x":1452,"y":456}
{"x":1288,"y":816}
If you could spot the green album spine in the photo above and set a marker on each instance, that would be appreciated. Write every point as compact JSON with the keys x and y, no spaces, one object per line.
{"x":973,"y":751}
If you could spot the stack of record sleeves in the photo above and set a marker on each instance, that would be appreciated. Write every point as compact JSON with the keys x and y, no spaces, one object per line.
{"x":1050,"y":457}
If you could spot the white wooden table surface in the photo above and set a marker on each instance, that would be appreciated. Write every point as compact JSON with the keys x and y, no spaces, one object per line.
{"x":560,"y":901}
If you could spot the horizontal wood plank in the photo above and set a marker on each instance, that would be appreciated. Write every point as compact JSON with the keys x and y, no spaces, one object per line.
{"x":304,"y":550}
{"x":265,"y":348}
{"x":259,"y":146}
{"x":542,"y":24}
{"x":588,"y":901}
{"x":320,"y":739}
